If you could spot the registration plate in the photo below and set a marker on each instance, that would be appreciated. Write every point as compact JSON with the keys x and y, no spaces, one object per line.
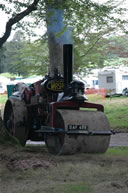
{"x":77,"y":127}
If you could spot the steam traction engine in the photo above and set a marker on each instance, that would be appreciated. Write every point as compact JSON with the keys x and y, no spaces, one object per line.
{"x":55,"y":110}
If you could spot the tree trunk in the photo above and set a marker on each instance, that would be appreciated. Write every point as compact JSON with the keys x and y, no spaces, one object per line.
{"x":58,"y":34}
{"x":16,"y":19}
{"x":55,"y":55}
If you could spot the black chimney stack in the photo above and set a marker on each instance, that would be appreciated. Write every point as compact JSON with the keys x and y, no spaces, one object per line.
{"x":68,"y":63}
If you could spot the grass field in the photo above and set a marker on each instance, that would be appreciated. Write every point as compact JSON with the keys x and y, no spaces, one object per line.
{"x":3,"y":99}
{"x":32,"y":169}
{"x":80,"y":173}
{"x":116,"y":109}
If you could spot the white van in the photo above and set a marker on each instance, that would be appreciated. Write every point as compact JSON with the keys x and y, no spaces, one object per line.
{"x":114,"y":81}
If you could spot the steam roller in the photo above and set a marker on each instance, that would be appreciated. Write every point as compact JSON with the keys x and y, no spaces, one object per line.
{"x":56,"y":110}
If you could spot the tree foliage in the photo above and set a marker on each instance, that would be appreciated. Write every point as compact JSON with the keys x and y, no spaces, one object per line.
{"x":15,"y":16}
{"x":32,"y":59}
{"x":25,"y":58}
{"x":10,"y":51}
{"x":116,"y":51}
{"x":83,"y":16}
{"x":90,"y":23}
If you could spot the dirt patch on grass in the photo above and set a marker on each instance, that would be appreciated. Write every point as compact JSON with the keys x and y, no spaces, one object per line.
{"x":33,"y":170}
{"x":25,"y":164}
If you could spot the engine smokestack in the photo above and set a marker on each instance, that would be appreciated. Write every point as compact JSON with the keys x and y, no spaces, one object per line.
{"x":68,"y":63}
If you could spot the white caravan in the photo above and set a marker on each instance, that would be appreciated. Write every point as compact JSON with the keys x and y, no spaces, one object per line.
{"x":113,"y":81}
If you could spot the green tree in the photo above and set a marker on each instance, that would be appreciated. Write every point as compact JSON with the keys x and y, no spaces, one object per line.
{"x":84,"y":17}
{"x":24,"y":57}
{"x":32,"y":59}
{"x":81,"y":15}
{"x":16,"y":15}
{"x":90,"y":55}
{"x":116,"y":51}
{"x":10,"y":50}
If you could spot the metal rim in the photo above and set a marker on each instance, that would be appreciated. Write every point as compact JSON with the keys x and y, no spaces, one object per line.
{"x":55,"y":142}
{"x":9,"y":119}
{"x":12,"y":127}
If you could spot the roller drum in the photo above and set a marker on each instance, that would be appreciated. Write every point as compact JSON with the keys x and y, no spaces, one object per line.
{"x":93,"y":142}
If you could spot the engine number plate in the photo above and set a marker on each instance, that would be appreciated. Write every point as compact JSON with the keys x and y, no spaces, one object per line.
{"x":77,"y":127}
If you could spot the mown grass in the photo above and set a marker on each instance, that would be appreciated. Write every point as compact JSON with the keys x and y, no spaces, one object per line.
{"x":116,"y":109}
{"x":3,"y":99}
{"x":69,"y":188}
{"x":8,"y":75}
{"x":119,"y":151}
{"x":83,"y":174}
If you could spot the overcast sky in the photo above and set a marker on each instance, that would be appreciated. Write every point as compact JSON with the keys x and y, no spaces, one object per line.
{"x":3,"y":20}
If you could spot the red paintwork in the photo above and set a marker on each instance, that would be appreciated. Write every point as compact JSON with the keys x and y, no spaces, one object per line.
{"x":73,"y":104}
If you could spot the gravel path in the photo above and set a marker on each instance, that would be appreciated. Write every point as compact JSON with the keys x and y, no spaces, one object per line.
{"x":119,"y":139}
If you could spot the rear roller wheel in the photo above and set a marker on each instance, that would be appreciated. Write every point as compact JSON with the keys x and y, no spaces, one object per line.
{"x":14,"y":122}
{"x":9,"y":121}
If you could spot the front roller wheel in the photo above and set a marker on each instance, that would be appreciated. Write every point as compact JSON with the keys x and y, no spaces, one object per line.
{"x":95,"y":139}
{"x":55,"y":142}
{"x":14,"y":120}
